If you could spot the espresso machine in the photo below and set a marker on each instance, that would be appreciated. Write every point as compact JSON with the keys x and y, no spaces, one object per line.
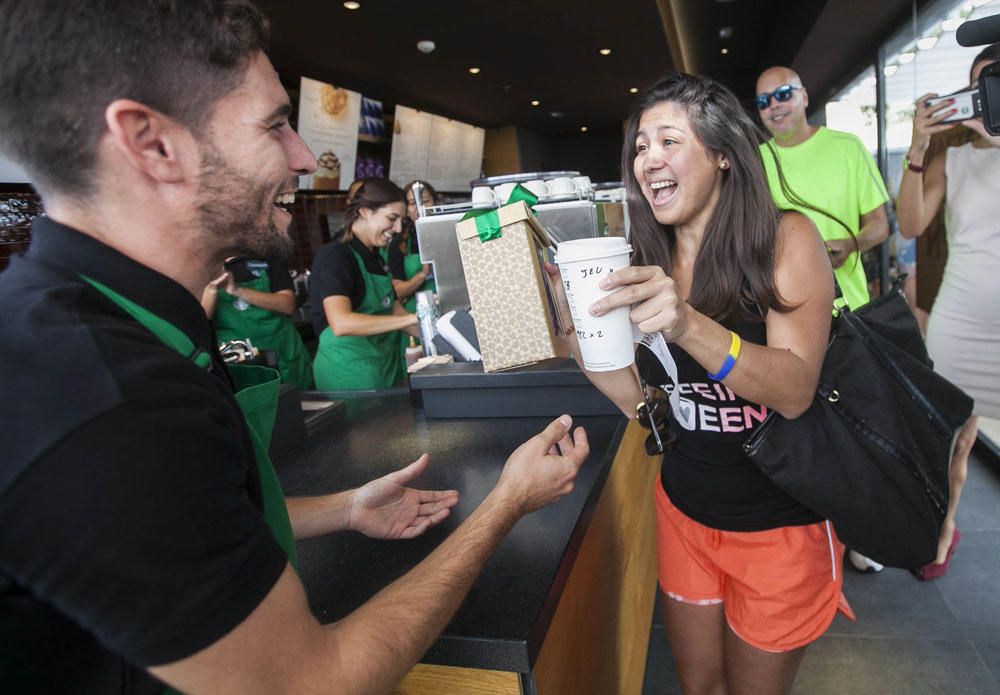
{"x":565,"y":217}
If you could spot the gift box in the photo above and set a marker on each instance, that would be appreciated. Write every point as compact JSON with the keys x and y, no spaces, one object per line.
{"x":502,"y":253}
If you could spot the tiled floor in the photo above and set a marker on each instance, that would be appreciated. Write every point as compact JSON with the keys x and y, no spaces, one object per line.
{"x":913,"y":638}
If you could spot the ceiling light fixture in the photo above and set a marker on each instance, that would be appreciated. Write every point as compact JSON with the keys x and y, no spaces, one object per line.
{"x":535,"y":102}
{"x":473,"y":71}
{"x":927,"y":43}
{"x":583,"y":129}
{"x":556,"y":114}
{"x":605,"y":51}
{"x":952,"y":24}
{"x":890,"y":70}
{"x":352,"y":5}
{"x":725,"y":51}
{"x":426,"y":46}
{"x":907,"y":57}
{"x":633,"y":90}
{"x":725,"y":32}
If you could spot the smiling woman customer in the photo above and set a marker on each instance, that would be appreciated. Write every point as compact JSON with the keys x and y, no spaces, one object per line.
{"x":740,"y":293}
{"x":355,"y":310}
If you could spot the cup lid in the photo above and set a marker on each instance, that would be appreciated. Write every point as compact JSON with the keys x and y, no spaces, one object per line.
{"x":588,"y":249}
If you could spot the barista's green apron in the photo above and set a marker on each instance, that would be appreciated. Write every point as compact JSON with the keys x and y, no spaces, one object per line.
{"x":411,"y":266}
{"x":257,"y":396}
{"x":355,"y":362}
{"x":236,"y":318}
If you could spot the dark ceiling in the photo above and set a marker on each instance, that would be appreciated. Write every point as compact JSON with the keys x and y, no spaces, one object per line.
{"x":548,"y":50}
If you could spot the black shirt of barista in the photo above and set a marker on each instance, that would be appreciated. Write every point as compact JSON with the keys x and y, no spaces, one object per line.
{"x":335,"y":272}
{"x":131,"y":531}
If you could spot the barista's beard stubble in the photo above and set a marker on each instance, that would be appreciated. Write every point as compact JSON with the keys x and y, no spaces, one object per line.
{"x":235,"y":210}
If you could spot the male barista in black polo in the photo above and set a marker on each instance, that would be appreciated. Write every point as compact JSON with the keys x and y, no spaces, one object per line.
{"x":139,"y":539}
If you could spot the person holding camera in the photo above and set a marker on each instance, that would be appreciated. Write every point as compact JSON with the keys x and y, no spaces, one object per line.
{"x":963,"y":331}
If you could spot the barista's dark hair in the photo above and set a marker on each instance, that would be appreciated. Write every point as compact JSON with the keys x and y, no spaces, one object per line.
{"x":375,"y":193}
{"x":62,"y":63}
{"x":733,"y":274}
{"x":989,"y":54}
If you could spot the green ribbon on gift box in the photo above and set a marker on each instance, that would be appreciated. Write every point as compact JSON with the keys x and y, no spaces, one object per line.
{"x":488,"y":221}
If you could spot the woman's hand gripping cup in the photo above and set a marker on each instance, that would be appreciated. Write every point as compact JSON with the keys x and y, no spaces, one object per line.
{"x":653,"y":296}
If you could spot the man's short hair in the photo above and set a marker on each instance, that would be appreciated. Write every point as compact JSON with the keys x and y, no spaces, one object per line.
{"x":62,"y":63}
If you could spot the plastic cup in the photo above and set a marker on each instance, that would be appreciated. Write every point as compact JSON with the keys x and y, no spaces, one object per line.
{"x":605,"y":341}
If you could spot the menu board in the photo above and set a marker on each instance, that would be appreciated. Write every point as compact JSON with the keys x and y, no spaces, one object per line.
{"x":328,"y":122}
{"x":445,"y":153}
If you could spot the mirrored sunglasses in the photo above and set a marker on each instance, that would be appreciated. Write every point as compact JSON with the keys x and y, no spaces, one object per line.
{"x":782,"y":93}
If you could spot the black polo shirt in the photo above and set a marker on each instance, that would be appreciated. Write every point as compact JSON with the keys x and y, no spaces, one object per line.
{"x":130,"y":526}
{"x":335,"y":271}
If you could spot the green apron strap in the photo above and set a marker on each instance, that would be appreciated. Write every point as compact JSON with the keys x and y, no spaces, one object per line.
{"x":257,"y":396}
{"x":168,"y":333}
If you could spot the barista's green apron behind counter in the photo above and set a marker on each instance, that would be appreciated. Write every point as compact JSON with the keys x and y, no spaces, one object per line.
{"x":404,"y":264}
{"x":235,"y":318}
{"x":352,"y":363}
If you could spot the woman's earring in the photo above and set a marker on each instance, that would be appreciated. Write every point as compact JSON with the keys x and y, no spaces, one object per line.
{"x":724,"y":165}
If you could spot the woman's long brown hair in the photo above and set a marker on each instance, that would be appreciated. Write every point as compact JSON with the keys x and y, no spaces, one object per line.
{"x":374,"y":193}
{"x":733,"y":277}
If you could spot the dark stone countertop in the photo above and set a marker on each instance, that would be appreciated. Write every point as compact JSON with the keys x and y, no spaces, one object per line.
{"x":504,"y":619}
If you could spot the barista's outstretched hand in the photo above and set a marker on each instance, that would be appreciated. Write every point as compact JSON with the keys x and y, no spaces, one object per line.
{"x":386,"y":508}
{"x":543,"y":469}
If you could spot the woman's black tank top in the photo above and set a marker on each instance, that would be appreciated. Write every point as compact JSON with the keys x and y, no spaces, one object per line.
{"x":707,"y":475}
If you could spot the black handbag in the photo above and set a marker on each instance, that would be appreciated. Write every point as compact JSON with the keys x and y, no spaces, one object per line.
{"x":872,"y":452}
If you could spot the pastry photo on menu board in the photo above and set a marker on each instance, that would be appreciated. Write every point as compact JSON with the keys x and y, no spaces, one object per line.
{"x":328,"y":123}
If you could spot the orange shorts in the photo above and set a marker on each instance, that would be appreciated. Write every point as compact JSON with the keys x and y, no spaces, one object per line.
{"x":781,"y":587}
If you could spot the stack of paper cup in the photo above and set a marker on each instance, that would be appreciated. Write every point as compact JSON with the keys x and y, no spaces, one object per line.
{"x":605,"y":341}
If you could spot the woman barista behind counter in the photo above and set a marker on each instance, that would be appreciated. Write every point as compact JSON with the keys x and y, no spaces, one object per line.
{"x":354,"y":307}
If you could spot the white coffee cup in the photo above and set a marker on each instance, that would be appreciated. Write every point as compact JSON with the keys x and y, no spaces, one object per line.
{"x":482,"y":196}
{"x":605,"y":341}
{"x":561,"y":186}
{"x":503,"y":192}
{"x":538,"y":187}
{"x":582,"y":184}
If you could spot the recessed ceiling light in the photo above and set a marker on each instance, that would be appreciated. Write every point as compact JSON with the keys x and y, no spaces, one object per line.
{"x":890,"y":70}
{"x":426,"y":46}
{"x":725,"y":32}
{"x":473,"y":71}
{"x":583,"y":129}
{"x":352,"y":5}
{"x":633,"y":90}
{"x":905,"y":58}
{"x":556,"y":114}
{"x":535,"y":102}
{"x":605,"y":51}
{"x":725,"y":51}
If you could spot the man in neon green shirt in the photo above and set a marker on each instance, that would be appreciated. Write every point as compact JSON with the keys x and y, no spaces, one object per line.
{"x":825,"y":169}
